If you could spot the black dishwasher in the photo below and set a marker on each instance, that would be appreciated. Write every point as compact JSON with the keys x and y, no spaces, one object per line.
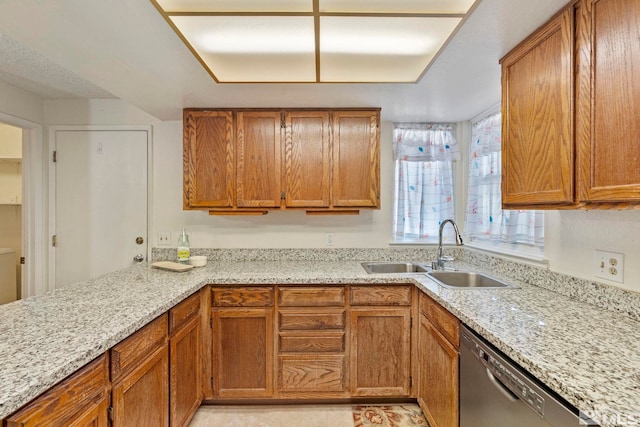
{"x":496,"y":392}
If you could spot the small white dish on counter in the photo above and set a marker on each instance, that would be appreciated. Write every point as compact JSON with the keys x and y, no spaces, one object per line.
{"x":198,"y":261}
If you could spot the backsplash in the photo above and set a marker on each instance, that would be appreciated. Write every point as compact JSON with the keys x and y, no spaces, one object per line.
{"x":600,"y":295}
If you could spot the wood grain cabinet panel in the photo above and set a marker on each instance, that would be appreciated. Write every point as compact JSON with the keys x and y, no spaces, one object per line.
{"x":381,"y":352}
{"x":141,"y":398}
{"x":301,"y":319}
{"x":608,"y":100}
{"x":80,"y":400}
{"x":356,"y":159}
{"x":258,"y":171}
{"x":537,"y":121}
{"x":311,"y":296}
{"x":307,"y":159}
{"x":251,"y":296}
{"x":310,"y":374}
{"x":185,"y":368}
{"x":438,"y":364}
{"x":208,"y":159}
{"x":242,"y":352}
{"x":381,"y":295}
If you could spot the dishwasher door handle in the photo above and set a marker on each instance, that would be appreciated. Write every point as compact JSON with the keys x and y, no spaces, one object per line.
{"x":505,"y":391}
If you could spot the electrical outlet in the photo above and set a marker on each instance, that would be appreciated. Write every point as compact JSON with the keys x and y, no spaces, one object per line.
{"x":609,"y":265}
{"x":164,"y":238}
{"x":329,"y":239}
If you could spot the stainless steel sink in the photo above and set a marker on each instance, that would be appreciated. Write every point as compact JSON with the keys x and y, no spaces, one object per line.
{"x":467,"y":280}
{"x":395,"y":267}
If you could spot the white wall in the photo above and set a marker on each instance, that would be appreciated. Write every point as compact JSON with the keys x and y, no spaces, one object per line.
{"x":372,"y":228}
{"x":571,"y":236}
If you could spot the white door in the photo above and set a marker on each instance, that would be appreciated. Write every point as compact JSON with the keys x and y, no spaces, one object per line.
{"x":100,"y":202}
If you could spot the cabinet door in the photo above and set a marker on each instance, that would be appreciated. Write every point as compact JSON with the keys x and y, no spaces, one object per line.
{"x":307,"y":159}
{"x":80,"y":400}
{"x":141,"y":398}
{"x":356,"y":159}
{"x":438,"y":388}
{"x":185,"y":381}
{"x":537,"y":121}
{"x":608,"y":108}
{"x":243,"y":352}
{"x":259,"y":174}
{"x":380,"y":352}
{"x":208,"y":156}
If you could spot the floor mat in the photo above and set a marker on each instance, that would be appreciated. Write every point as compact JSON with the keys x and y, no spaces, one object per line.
{"x":389,"y":416}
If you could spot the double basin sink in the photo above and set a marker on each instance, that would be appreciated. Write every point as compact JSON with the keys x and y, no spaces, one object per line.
{"x":449,"y":279}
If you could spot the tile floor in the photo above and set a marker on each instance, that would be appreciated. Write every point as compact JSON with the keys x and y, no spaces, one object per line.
{"x":405,"y":415}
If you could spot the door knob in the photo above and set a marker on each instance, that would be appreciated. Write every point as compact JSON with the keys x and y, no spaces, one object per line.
{"x":138,"y":258}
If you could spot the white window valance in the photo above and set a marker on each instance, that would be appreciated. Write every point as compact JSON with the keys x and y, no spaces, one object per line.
{"x":415,"y":142}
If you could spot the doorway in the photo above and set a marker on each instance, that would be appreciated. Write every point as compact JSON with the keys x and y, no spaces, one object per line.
{"x":100,"y":194}
{"x":10,"y":213}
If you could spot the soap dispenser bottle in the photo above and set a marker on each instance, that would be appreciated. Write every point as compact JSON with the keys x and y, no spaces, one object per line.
{"x":184,"y":247}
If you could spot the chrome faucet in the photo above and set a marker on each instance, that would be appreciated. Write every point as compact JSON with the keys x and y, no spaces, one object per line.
{"x":439,"y":263}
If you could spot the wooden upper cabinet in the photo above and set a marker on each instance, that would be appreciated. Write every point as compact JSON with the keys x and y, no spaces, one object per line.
{"x":608,"y":100}
{"x":307,"y":159}
{"x":537,"y":121}
{"x":208,"y":159}
{"x":571,"y":111}
{"x":259,"y":176}
{"x":356,"y":159}
{"x":251,"y":161}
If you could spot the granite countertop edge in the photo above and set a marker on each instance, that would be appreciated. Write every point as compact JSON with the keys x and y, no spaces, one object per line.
{"x":544,"y":332}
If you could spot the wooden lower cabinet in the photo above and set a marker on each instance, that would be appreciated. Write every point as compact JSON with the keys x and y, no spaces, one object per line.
{"x":141,"y":398}
{"x":140,"y":377}
{"x":438,"y":391}
{"x":80,"y":400}
{"x":242,"y":352}
{"x":381,"y":352}
{"x":185,"y":367}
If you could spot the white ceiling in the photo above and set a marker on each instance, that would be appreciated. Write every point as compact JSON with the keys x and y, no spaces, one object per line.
{"x":125,"y":49}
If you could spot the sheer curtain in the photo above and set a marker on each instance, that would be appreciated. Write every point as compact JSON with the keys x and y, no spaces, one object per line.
{"x":423,"y":192}
{"x":485,"y":218}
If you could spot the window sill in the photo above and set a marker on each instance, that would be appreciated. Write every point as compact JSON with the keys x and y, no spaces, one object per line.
{"x":531,"y":254}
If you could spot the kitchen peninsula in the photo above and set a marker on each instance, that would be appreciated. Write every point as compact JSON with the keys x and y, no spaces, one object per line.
{"x":584,"y":353}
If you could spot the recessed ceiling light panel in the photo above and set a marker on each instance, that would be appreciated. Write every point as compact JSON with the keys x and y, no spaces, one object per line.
{"x":396,"y":6}
{"x":236,"y":5}
{"x":253,"y":48}
{"x":380,"y":49}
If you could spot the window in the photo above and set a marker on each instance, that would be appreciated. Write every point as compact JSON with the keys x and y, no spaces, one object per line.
{"x":423,"y":194}
{"x":485,"y":219}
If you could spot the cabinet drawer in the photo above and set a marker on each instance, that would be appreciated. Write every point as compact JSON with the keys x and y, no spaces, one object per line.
{"x":310,"y":342}
{"x":381,"y":295}
{"x":326,"y":319}
{"x":127,"y":354}
{"x":183,"y":312}
{"x":311,"y":297}
{"x":311,"y":374}
{"x":65,"y":402}
{"x":445,"y":322}
{"x":243,"y":297}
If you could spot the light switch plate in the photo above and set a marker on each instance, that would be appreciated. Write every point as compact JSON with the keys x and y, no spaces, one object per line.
{"x":164,"y":238}
{"x":609,"y":265}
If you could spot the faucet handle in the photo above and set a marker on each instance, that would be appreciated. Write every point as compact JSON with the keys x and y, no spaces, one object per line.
{"x":447,"y":258}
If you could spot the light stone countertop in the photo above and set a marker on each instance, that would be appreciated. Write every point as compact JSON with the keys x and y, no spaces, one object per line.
{"x":589,"y":356}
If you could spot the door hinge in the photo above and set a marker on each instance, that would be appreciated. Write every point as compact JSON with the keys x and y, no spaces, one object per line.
{"x":283,"y":122}
{"x":211,"y":383}
{"x":410,"y":381}
{"x":283,"y":195}
{"x":22,"y":260}
{"x":54,"y":240}
{"x":55,"y":156}
{"x":110,"y":413}
{"x":210,"y":322}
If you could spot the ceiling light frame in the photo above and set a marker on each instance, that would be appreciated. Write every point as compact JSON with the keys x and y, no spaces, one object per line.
{"x":371,"y":66}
